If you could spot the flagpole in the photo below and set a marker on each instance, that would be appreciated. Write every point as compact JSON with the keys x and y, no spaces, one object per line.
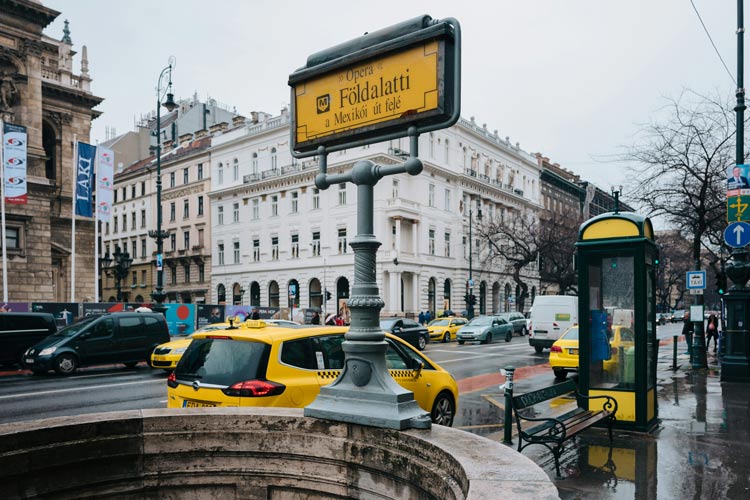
{"x":73,"y":223}
{"x":96,"y":227}
{"x":2,"y":197}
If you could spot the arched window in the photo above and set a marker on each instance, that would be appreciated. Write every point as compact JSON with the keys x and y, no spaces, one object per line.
{"x":255,"y":163}
{"x":237,"y":293}
{"x":255,"y":294}
{"x":431,"y":299}
{"x":447,"y":295}
{"x":235,"y":170}
{"x":221,"y":294}
{"x":274,"y":161}
{"x":273,"y":294}
{"x":49,"y":142}
{"x":316,"y":294}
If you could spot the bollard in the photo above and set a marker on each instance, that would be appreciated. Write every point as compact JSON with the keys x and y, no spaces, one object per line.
{"x":674,"y":352}
{"x":508,"y":428}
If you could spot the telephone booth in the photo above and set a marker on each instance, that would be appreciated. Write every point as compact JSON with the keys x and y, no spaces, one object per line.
{"x":617,"y":259}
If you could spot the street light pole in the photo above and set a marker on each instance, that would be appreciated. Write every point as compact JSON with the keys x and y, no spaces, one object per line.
{"x":122,"y":263}
{"x":158,"y":295}
{"x":470,"y":284}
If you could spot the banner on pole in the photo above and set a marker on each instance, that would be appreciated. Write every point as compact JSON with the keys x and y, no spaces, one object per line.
{"x":14,"y":157}
{"x":105,"y":169}
{"x":84,"y":178}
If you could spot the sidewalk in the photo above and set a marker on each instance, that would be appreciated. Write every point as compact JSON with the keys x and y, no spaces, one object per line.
{"x":700,"y":450}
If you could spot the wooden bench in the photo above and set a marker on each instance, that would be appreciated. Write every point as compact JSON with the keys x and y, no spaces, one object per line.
{"x":552,"y":432}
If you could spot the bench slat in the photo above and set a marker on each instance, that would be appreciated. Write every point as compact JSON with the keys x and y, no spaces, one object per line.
{"x":546,"y":425}
{"x":547,"y":393}
{"x":599,"y":416}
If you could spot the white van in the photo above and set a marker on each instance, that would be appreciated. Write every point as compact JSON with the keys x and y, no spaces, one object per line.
{"x":551,"y":315}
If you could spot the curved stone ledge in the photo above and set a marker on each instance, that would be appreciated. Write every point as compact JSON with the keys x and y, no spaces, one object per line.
{"x":254,"y":453}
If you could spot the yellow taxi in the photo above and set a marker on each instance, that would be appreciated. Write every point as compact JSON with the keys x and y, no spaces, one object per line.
{"x":563,"y":355}
{"x":286,"y":367}
{"x":444,"y":329}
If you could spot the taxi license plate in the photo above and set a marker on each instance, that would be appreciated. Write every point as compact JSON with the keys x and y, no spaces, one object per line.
{"x":29,"y":361}
{"x":160,"y":358}
{"x":196,"y":404}
{"x":573,"y":351}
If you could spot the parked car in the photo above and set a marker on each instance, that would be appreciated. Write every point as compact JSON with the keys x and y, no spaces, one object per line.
{"x":678,"y":315}
{"x":109,"y":338}
{"x":408,"y":330}
{"x":19,"y":331}
{"x":563,"y":356}
{"x":517,"y":320}
{"x":444,"y":329}
{"x":166,"y":356}
{"x":663,"y":318}
{"x":287,"y":366}
{"x":484,"y":329}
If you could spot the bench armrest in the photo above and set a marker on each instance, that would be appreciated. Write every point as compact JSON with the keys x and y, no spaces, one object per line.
{"x":610,"y":405}
{"x":556,"y":431}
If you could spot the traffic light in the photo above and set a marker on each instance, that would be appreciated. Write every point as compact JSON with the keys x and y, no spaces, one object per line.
{"x":721,"y":284}
{"x":328,"y":295}
{"x":470,"y":299}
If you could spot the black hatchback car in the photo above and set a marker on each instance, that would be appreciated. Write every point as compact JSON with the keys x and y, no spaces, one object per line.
{"x":408,"y":330}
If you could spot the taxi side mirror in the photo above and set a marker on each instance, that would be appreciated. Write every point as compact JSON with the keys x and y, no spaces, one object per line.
{"x":417,"y":366}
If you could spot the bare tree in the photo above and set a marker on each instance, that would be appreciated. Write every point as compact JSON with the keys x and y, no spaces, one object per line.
{"x":674,"y":263}
{"x":680,"y":167}
{"x":557,"y":237}
{"x":511,"y":243}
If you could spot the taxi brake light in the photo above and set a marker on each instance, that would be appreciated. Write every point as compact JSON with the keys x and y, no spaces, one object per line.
{"x":223,"y":337}
{"x":555,"y":348}
{"x":172,"y":380}
{"x":254,"y":389}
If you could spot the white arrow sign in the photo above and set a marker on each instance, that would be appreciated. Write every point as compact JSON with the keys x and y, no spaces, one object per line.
{"x":738,"y":230}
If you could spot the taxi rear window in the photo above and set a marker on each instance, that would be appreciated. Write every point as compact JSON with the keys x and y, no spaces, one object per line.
{"x":223,"y":362}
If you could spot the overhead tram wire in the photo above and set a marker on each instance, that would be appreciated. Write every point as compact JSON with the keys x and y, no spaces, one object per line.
{"x":712,"y":42}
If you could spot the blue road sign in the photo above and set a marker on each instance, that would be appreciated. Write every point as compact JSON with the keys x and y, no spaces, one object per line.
{"x":737,"y":234}
{"x":696,"y":280}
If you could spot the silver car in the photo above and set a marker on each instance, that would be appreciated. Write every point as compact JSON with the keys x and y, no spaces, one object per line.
{"x":484,"y":329}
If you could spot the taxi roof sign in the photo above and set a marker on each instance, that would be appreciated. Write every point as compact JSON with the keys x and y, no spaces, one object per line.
{"x":374,"y":88}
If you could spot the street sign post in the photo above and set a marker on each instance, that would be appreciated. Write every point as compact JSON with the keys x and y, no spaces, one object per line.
{"x":737,"y":234}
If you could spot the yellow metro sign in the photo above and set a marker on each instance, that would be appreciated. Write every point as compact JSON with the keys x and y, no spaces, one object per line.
{"x":369,"y":90}
{"x":368,"y":93}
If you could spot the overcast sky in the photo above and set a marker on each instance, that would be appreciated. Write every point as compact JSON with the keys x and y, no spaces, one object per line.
{"x":572,"y":79}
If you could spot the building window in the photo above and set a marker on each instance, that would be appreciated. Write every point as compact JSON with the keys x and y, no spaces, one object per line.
{"x":115,"y":200}
{"x":186,"y":209}
{"x":132,"y":191}
{"x":201,"y":273}
{"x":447,"y":151}
{"x":274,"y":161}
{"x":256,"y":209}
{"x":274,"y":205}
{"x":186,"y":240}
{"x":275,"y":248}
{"x":124,"y":247}
{"x":124,"y":194}
{"x":124,"y":222}
{"x":185,"y":175}
{"x":172,"y":211}
{"x":342,"y":240}
{"x":465,"y":247}
{"x":221,"y":254}
{"x":342,"y":193}
{"x":316,"y":243}
{"x":316,"y":198}
{"x":431,"y":196}
{"x":393,"y":235}
{"x":143,"y":277}
{"x":173,"y":270}
{"x":295,"y":202}
{"x":12,"y":238}
{"x":173,"y":241}
{"x":220,"y":175}
{"x":236,"y":212}
{"x":132,"y":221}
{"x":171,"y":179}
{"x":235,"y":170}
{"x":114,"y":230}
{"x":200,"y":175}
{"x":106,"y":228}
{"x":447,"y":199}
{"x":220,"y":215}
{"x":200,"y":205}
{"x":447,"y":244}
{"x":295,"y":246}
{"x":394,"y":192}
{"x":200,"y":238}
{"x":135,"y":278}
{"x":256,"y":250}
{"x":143,"y":219}
{"x":143,"y":248}
{"x":236,"y":249}
{"x":431,"y":241}
{"x":186,"y":270}
{"x":254,"y":163}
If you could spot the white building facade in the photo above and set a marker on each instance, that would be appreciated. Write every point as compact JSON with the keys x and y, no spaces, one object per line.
{"x":274,"y":232}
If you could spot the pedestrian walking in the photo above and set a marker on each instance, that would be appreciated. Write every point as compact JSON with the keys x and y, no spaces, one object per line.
{"x":687,"y":331}
{"x":428,"y":317}
{"x":315,"y":320}
{"x":421,"y":318}
{"x":712,"y":331}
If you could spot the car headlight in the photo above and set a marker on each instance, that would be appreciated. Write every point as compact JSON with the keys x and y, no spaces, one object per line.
{"x":47,"y":351}
{"x":179,"y":351}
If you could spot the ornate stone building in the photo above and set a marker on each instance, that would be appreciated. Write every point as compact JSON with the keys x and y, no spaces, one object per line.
{"x":42,"y":93}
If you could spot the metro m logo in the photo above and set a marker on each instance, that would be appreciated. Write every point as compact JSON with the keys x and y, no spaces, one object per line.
{"x":324,"y":103}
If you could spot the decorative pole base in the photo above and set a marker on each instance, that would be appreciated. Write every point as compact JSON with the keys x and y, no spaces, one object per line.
{"x":366,"y":394}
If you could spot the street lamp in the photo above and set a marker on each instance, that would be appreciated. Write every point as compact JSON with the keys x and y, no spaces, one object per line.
{"x":122,"y":263}
{"x":470,"y":298}
{"x":158,"y":295}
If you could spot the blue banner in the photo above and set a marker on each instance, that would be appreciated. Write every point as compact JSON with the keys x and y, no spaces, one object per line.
{"x":84,"y":179}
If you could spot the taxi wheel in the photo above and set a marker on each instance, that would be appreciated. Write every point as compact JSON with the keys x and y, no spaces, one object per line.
{"x":422,"y":343}
{"x":446,"y":337}
{"x":131,"y":364}
{"x":65,"y":364}
{"x":443,"y":410}
{"x":560,"y":374}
